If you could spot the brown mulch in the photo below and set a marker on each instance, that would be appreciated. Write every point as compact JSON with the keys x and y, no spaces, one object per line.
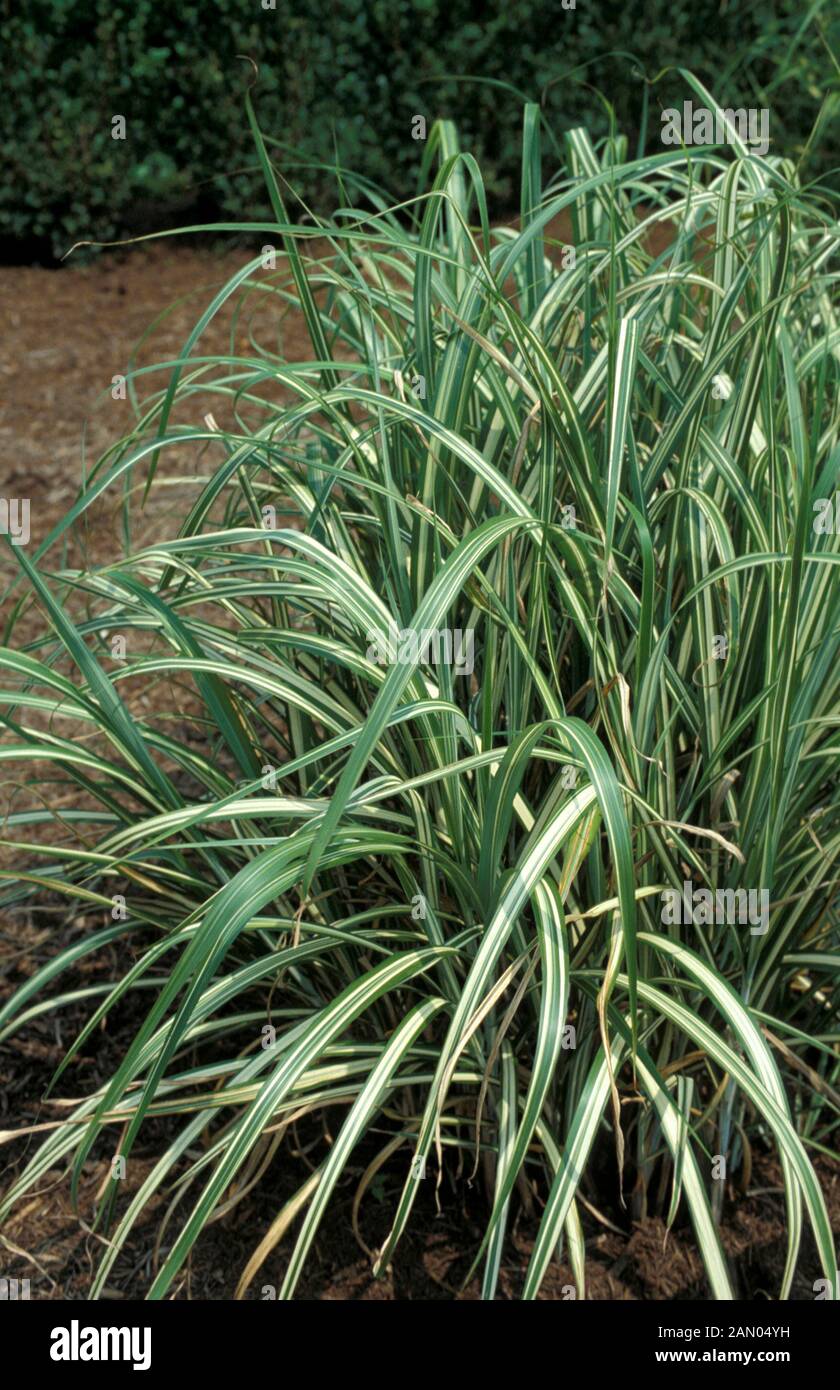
{"x":67,"y":333}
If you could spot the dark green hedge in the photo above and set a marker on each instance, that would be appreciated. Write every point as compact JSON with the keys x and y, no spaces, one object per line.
{"x":347,"y":75}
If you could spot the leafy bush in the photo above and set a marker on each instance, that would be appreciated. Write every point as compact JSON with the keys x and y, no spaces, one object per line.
{"x":172,"y":69}
{"x":437,"y":897}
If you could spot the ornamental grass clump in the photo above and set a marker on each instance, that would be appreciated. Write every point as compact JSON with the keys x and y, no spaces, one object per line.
{"x":492,"y":668}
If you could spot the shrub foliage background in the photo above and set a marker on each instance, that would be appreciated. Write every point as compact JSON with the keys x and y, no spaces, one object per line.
{"x":352,"y":84}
